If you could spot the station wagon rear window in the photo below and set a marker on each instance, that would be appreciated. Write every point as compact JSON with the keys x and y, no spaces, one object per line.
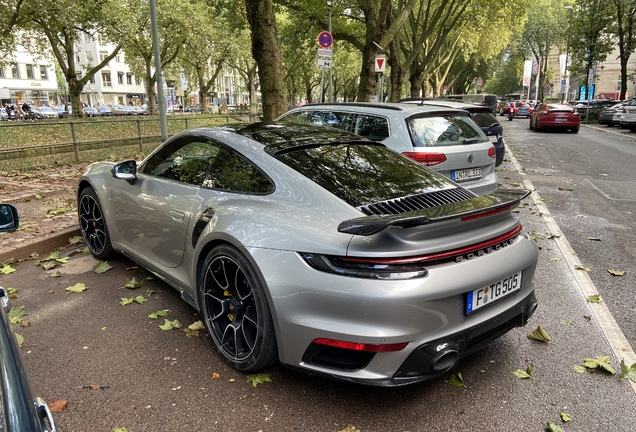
{"x":446,"y":130}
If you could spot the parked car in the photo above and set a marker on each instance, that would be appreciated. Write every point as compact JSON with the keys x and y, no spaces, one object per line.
{"x":480,"y":115}
{"x":592,"y":105}
{"x":121,"y":110}
{"x":606,"y":116}
{"x":63,"y":112}
{"x":139,"y":110}
{"x":628,"y":115}
{"x":20,"y":409}
{"x":446,"y":140}
{"x":104,"y":111}
{"x":89,"y":111}
{"x":46,"y":112}
{"x":317,"y":248}
{"x":555,"y":116}
{"x":194,"y":109}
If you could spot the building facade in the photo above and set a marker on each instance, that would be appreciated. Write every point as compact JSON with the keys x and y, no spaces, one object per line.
{"x":28,"y":79}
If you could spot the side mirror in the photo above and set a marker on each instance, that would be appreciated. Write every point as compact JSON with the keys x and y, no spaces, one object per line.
{"x":126,"y":170}
{"x":9,"y":220}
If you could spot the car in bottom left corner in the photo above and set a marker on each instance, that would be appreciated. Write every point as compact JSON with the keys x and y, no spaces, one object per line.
{"x":20,"y":409}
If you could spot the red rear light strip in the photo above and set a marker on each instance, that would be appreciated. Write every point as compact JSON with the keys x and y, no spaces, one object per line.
{"x":361,"y":346}
{"x":486,"y":213}
{"x":441,"y":255}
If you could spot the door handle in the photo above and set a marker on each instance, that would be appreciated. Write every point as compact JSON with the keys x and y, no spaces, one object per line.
{"x":176,"y":215}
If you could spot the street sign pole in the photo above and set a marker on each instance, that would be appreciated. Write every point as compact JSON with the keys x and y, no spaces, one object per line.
{"x":330,"y":66}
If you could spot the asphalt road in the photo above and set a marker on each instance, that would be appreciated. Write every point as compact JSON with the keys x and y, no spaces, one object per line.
{"x":117,"y":368}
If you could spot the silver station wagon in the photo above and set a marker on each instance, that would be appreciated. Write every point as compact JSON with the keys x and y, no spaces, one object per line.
{"x":444,"y":139}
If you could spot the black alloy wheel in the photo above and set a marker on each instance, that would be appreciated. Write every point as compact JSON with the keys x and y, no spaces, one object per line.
{"x":93,"y":225}
{"x":236,"y":312}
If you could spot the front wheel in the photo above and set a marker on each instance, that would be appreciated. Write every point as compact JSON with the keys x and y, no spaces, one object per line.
{"x":93,"y":225}
{"x":236,"y":312}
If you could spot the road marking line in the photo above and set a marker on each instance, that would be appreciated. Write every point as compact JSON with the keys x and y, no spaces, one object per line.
{"x":613,"y":333}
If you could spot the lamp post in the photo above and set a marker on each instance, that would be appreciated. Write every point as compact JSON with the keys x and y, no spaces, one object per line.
{"x":330,"y":84}
{"x":567,"y":58}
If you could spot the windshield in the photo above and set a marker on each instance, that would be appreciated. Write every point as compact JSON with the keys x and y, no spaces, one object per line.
{"x":446,"y":130}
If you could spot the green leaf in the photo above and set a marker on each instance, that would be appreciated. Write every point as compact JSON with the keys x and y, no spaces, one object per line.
{"x":257,"y":379}
{"x":580,"y":369}
{"x":155,"y":315}
{"x":568,"y":189}
{"x":140,"y":299}
{"x":132,"y":283}
{"x":102,"y":267}
{"x":524,"y":374}
{"x":557,"y":259}
{"x":20,"y":339}
{"x":565,"y":417}
{"x":457,"y":380}
{"x":551,"y":427}
{"x":78,"y":287}
{"x":600,"y":362}
{"x":126,"y":301}
{"x":616,"y":272}
{"x":170,"y":325}
{"x":628,"y":372}
{"x":56,"y":274}
{"x":39,"y":195}
{"x":540,"y":334}
{"x":120,"y":429}
{"x":12,"y":292}
{"x":6,"y":269}
{"x":194,"y":329}
{"x":48,"y":265}
{"x":596,"y":298}
{"x":586,"y":269}
{"x":149,"y":292}
{"x":16,"y":314}
{"x":567,"y":322}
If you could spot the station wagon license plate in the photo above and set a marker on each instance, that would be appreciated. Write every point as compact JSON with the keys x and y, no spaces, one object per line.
{"x":493,"y":139}
{"x":464,"y":175}
{"x":486,"y":295}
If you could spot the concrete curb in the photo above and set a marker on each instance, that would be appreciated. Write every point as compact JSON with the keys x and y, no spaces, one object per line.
{"x":614,"y":131}
{"x":41,"y":246}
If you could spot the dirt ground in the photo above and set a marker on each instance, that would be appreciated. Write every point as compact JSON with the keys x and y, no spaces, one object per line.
{"x":46,"y":203}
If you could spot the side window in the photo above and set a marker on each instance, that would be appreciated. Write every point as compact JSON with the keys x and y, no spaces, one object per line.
{"x":186,"y":161}
{"x":371,"y":127}
{"x":296,"y":117}
{"x":231,"y":172}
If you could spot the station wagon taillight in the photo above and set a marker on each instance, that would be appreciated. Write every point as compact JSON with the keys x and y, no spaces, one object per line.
{"x":492,"y":152}
{"x":428,"y":159}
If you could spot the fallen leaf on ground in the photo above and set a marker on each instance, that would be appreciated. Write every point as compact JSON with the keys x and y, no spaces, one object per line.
{"x":578,"y":267}
{"x":155,"y":315}
{"x":524,"y":374}
{"x":551,"y":427}
{"x":102,"y":267}
{"x":628,"y":372}
{"x":132,"y":283}
{"x":77,"y":288}
{"x":457,"y":380}
{"x":540,"y":334}
{"x":596,"y":298}
{"x":170,"y":325}
{"x":20,"y":339}
{"x":126,"y":301}
{"x":565,"y":417}
{"x":140,"y":299}
{"x":257,"y":379}
{"x":616,"y":272}
{"x":194,"y":329}
{"x":16,"y":314}
{"x":58,"y":405}
{"x":215,"y":375}
{"x":600,"y":362}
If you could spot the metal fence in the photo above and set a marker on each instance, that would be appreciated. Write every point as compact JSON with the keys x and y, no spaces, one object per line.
{"x":80,"y":140}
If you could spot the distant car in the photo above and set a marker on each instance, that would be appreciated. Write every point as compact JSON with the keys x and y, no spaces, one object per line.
{"x":523,"y":109}
{"x":20,"y":409}
{"x":121,"y":110}
{"x":195,"y":109}
{"x":480,"y":115}
{"x":61,"y":111}
{"x":89,"y":111}
{"x":444,"y":139}
{"x":555,"y":116}
{"x":628,"y":115}
{"x":607,"y":114}
{"x":3,"y":114}
{"x":47,"y":113}
{"x":104,"y":111}
{"x":310,"y":246}
{"x":139,"y":110}
{"x":506,"y":107}
{"x":594,"y":105}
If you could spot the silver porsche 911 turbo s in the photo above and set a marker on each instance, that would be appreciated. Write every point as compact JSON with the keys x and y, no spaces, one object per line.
{"x":313,"y":247}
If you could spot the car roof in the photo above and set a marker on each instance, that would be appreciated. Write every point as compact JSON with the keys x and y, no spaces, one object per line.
{"x":406,"y":109}
{"x":447,"y":104}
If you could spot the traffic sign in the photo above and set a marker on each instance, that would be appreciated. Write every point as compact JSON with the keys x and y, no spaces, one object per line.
{"x":380,"y":63}
{"x":325,"y":39}
{"x":324,"y":63}
{"x":325,"y":52}
{"x":480,"y":82}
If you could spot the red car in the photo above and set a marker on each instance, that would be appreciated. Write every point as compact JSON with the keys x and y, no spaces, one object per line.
{"x":555,"y":115}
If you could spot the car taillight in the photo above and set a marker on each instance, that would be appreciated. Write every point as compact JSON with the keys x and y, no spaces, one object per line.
{"x":492,"y":152}
{"x":428,"y":159}
{"x":361,"y":346}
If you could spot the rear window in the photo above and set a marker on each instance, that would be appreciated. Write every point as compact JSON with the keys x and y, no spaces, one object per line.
{"x":360,"y":174}
{"x":560,"y":107}
{"x":445,"y":130}
{"x":484,"y":119}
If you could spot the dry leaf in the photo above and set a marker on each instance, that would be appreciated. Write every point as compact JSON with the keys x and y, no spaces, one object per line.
{"x":215,"y":375}
{"x":58,"y":405}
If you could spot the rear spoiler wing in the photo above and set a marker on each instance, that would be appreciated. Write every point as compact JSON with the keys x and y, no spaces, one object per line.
{"x":499,"y":200}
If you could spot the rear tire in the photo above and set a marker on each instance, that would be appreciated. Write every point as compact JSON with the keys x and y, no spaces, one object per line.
{"x":530,"y":125}
{"x":574,"y":130}
{"x":235,"y":310}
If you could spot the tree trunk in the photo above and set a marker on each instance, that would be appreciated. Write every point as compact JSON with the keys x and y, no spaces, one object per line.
{"x":203,"y":90}
{"x":266,"y":52}
{"x":396,"y":75}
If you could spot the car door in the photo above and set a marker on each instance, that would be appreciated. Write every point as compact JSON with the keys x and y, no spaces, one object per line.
{"x":153,"y":213}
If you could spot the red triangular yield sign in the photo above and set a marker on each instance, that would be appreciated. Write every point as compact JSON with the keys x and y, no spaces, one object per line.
{"x":380,"y":61}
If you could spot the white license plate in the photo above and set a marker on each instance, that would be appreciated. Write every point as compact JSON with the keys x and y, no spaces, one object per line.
{"x":560,"y":119}
{"x":486,"y":295}
{"x":493,"y":139}
{"x":469,"y":174}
